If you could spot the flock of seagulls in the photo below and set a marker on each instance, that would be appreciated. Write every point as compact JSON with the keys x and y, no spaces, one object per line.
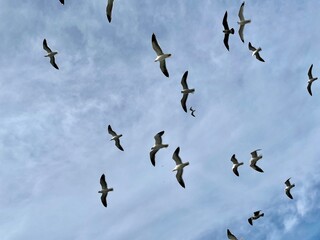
{"x":179,"y":165}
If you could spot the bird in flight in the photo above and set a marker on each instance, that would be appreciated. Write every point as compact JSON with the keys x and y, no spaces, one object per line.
{"x":254,"y":159}
{"x":288,"y":188}
{"x":311,"y":79}
{"x":158,"y":145}
{"x":50,"y":54}
{"x":242,"y":22}
{"x":255,"y":52}
{"x":179,"y":166}
{"x":185,"y":91}
{"x":115,"y":137}
{"x":109,"y":9}
{"x":226,"y":30}
{"x":235,"y":165}
{"x":104,"y":191}
{"x":160,"y":55}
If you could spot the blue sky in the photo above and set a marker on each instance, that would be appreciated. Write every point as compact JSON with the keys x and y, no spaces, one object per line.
{"x":54,"y":144}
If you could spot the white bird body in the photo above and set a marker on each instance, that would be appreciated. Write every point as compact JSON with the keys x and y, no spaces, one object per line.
{"x":162,"y":57}
{"x":159,"y":146}
{"x":244,"y":22}
{"x":256,"y":51}
{"x":116,"y":137}
{"x":51,"y":54}
{"x":187,"y":91}
{"x":180,"y":166}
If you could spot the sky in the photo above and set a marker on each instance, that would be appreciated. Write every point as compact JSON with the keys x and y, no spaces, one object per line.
{"x":54,"y":144}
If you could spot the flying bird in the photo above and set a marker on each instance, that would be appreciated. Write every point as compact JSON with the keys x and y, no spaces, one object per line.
{"x":115,"y":137}
{"x":226,"y":30}
{"x":235,"y":165}
{"x":255,"y":216}
{"x":231,"y":236}
{"x":311,"y":80}
{"x":179,"y":166}
{"x":158,"y":145}
{"x":109,"y":9}
{"x":104,"y":190}
{"x":242,"y":22}
{"x":62,"y":1}
{"x":50,"y":54}
{"x":254,"y":159}
{"x":185,"y":91}
{"x":160,"y":55}
{"x":255,"y":52}
{"x":192,"y":111}
{"x":288,"y":188}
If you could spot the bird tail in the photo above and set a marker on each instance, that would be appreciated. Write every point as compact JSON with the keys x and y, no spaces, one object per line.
{"x":165,"y":145}
{"x":262,"y":214}
{"x":232,"y":31}
{"x":110,"y":189}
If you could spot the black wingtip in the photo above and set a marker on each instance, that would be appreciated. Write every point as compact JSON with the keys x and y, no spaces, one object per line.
{"x":232,"y":31}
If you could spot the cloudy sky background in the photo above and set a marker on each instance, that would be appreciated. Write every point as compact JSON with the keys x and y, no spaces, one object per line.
{"x":53,"y":140}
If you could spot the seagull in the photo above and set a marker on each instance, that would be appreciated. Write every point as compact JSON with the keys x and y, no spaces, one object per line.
{"x":115,"y":137}
{"x":192,"y":112}
{"x":231,"y":236}
{"x":311,"y":79}
{"x":179,"y":166}
{"x":226,"y":30}
{"x":62,"y":1}
{"x":104,"y":190}
{"x":255,"y":52}
{"x":158,"y":145}
{"x":160,"y":55}
{"x":288,"y":188}
{"x":254,"y":159}
{"x":185,"y":91}
{"x":255,"y":216}
{"x":109,"y":9}
{"x":50,"y":54}
{"x":235,"y":165}
{"x":242,"y":22}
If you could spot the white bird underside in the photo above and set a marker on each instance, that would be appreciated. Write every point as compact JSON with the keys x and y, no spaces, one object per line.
{"x":242,"y":22}
{"x":179,"y":166}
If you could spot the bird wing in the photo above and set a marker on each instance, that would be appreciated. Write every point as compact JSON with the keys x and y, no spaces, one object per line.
{"x":254,"y":153}
{"x":240,"y":14}
{"x":53,"y":62}
{"x":176,"y":157}
{"x":226,"y":40}
{"x":104,"y":199}
{"x":256,"y":213}
{"x":309,"y":88}
{"x":103,"y":182}
{"x":259,"y":58}
{"x":235,"y":171}
{"x":179,"y":177}
{"x":184,"y":101}
{"x":158,"y":138}
{"x":184,"y":80}
{"x":287,"y":183}
{"x":252,"y":48}
{"x":241,"y":32}
{"x":113,"y":133}
{"x":117,"y":143}
{"x":310,"y":71}
{"x":230,"y":235}
{"x":45,"y":46}
{"x":225,"y":21}
{"x":250,"y":221}
{"x":62,"y":1}
{"x":155,"y":45}
{"x":164,"y":68}
{"x":255,"y":167}
{"x":153,"y":156}
{"x":288,"y":193}
{"x":234,"y":159}
{"x":109,"y":9}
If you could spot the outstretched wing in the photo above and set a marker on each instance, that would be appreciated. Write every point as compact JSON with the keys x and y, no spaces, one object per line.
{"x":234,"y":159}
{"x":287,"y":183}
{"x":62,"y":1}
{"x":176,"y":157}
{"x":230,"y":235}
{"x":289,"y":194}
{"x":226,"y":40}
{"x":184,"y":80}
{"x":179,"y":177}
{"x":164,"y":68}
{"x":252,"y":48}
{"x":155,"y":45}
{"x":113,"y":133}
{"x":53,"y":62}
{"x":45,"y":46}
{"x":255,"y":167}
{"x":184,"y":101}
{"x":153,"y":156}
{"x":241,"y":32}
{"x":117,"y":143}
{"x":104,"y":199}
{"x":259,"y":58}
{"x":103,"y":182}
{"x":309,"y":88}
{"x":254,"y":153}
{"x":109,"y":10}
{"x":225,"y":21}
{"x":158,"y":138}
{"x":310,"y":71}
{"x":240,"y":14}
